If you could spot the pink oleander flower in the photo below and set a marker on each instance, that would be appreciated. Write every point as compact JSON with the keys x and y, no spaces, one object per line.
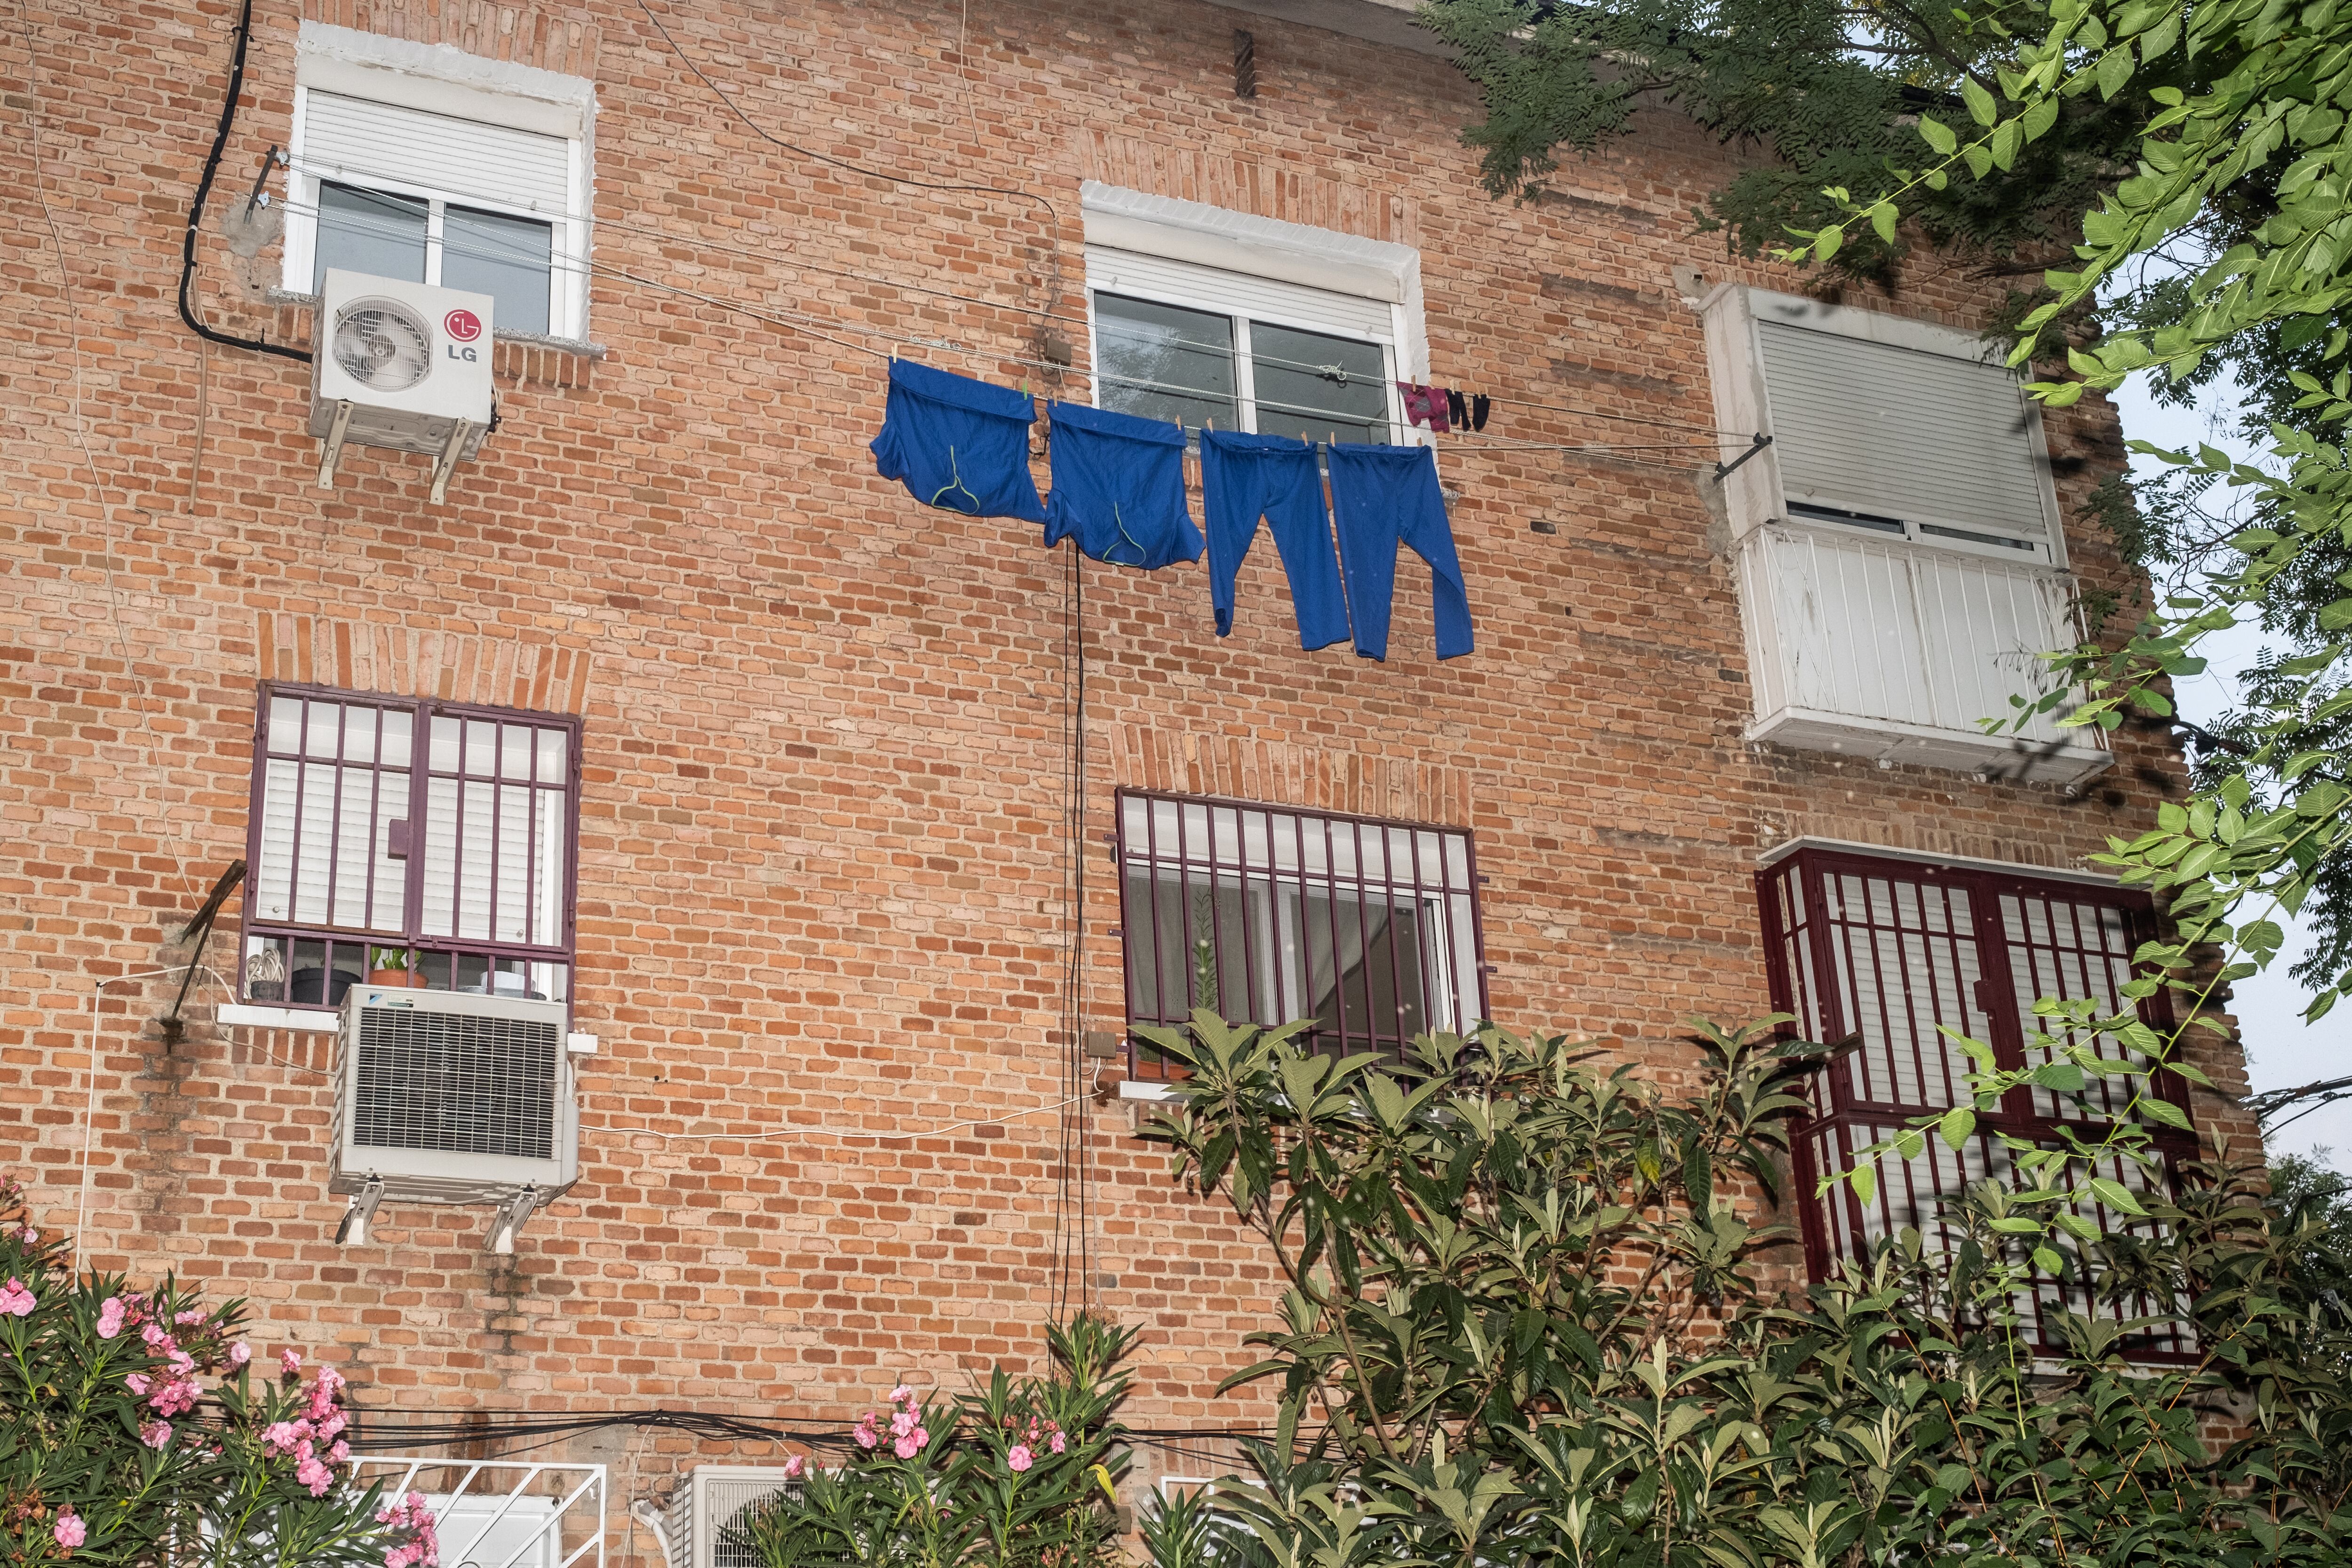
{"x":287,"y":1438}
{"x":922,"y":1437}
{"x":156,"y":1433}
{"x":422,"y":1548}
{"x":137,"y":1382}
{"x":110,"y":1317}
{"x":156,"y":1335}
{"x":795,"y":1467}
{"x":239,"y":1353}
{"x":901,"y":1395}
{"x":178,"y":1396}
{"x":864,"y":1431}
{"x":69,"y":1531}
{"x":1059,"y":1442}
{"x":291,"y":1360}
{"x":315,"y":1475}
{"x":15,"y":1298}
{"x":191,"y":1316}
{"x":901,"y":1423}
{"x":1019,"y":1459}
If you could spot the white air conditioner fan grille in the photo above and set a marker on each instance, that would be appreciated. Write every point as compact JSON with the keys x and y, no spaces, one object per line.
{"x":455,"y":1082}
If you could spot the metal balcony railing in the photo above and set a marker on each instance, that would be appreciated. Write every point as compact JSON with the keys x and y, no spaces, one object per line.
{"x":1885,"y":649}
{"x":502,"y":1513}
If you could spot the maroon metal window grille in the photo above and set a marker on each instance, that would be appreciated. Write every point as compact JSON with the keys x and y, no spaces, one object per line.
{"x":397,"y":833}
{"x":1896,"y":952}
{"x":1265,"y":914}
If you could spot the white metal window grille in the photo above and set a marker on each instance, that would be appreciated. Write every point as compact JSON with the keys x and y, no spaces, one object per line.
{"x":1905,"y":442}
{"x":1368,"y":928}
{"x":1897,"y":952}
{"x":429,"y":838}
{"x":1188,"y":343}
{"x":431,"y":198}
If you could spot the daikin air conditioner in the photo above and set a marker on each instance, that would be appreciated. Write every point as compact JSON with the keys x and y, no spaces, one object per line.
{"x":447,"y":1097}
{"x":403,"y":365}
{"x":711,"y":1499}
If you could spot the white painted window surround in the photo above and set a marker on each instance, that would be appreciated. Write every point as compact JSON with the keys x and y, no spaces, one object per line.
{"x":1265,"y":271}
{"x":1899,"y":546}
{"x":435,"y":123}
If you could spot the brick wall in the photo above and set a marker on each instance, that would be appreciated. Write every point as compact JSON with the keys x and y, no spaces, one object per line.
{"x":821,"y":846}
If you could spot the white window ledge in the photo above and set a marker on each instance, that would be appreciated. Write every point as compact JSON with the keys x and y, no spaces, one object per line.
{"x":1129,"y":1089}
{"x":238,"y":1015}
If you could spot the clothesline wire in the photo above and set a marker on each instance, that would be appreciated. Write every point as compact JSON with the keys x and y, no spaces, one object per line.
{"x":587,"y":264}
{"x":775,"y":316}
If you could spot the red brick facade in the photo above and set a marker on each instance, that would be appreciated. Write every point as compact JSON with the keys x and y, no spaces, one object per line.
{"x":823,"y":827}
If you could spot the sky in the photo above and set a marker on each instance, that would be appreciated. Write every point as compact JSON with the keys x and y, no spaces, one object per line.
{"x":2281,"y":1050}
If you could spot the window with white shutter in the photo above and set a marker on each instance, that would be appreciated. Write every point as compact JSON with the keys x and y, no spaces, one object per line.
{"x":406,"y":842}
{"x":437,"y":167}
{"x":1904,"y":430}
{"x":1205,"y":316}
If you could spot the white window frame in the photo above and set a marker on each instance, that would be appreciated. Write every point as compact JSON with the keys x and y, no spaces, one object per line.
{"x":1215,"y":250}
{"x":440,"y":79}
{"x":1757,"y":494}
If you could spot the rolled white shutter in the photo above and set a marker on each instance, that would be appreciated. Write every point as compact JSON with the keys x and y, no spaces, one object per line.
{"x":362,"y":141}
{"x":1900,"y":433}
{"x":1264,"y":299}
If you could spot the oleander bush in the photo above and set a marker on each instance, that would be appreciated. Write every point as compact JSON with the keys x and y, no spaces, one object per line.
{"x":135,"y":1430}
{"x":1528,"y":1320}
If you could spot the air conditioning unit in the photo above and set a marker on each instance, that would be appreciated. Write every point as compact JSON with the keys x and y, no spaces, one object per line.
{"x":447,"y":1097}
{"x":712,"y":1497}
{"x":403,"y":365}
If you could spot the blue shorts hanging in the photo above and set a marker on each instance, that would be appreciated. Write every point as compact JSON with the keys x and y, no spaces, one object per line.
{"x":1382,"y":496}
{"x":959,"y":444}
{"x":1118,"y":487}
{"x":1245,"y":477}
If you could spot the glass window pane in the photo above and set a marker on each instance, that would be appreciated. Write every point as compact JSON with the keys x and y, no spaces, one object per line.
{"x":1160,"y":361}
{"x":446,"y":732}
{"x":285,"y":724}
{"x":396,"y":723}
{"x":554,"y":755}
{"x":514,"y":752}
{"x":1311,"y":384}
{"x":510,"y":259}
{"x":367,"y":231}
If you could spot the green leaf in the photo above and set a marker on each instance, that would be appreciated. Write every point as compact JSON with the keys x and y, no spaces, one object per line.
{"x":2165,"y":1112}
{"x":1938,"y":135}
{"x":2115,"y":69}
{"x":1959,"y":1125}
{"x":2114,"y":1195}
{"x":1883,"y":218}
{"x":1826,"y":242}
{"x":1981,"y":102}
{"x":2006,"y":142}
{"x":1865,"y":1183}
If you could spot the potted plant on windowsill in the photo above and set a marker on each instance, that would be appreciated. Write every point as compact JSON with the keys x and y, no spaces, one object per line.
{"x":389,"y":966}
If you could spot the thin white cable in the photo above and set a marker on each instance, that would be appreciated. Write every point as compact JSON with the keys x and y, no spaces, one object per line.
{"x":89,"y":1097}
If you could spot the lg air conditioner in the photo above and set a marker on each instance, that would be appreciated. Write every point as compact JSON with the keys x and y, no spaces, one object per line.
{"x":403,"y":365}
{"x":695,"y":1528}
{"x":449,"y":1097}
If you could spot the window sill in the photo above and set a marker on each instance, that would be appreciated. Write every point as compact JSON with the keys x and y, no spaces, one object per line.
{"x":1927,"y":746}
{"x":579,"y":346}
{"x":1129,"y":1089}
{"x":241,"y":1015}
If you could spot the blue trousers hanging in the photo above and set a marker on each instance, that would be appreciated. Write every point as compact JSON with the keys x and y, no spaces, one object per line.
{"x":1118,"y":489}
{"x":1245,"y":477}
{"x":959,"y":444}
{"x":1382,"y":496}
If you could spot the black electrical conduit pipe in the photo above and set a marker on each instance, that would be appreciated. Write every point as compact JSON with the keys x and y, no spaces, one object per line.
{"x":204,"y":188}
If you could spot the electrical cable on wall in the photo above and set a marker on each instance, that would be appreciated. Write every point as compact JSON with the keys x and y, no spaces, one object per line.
{"x":203,"y":190}
{"x":1052,"y":217}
